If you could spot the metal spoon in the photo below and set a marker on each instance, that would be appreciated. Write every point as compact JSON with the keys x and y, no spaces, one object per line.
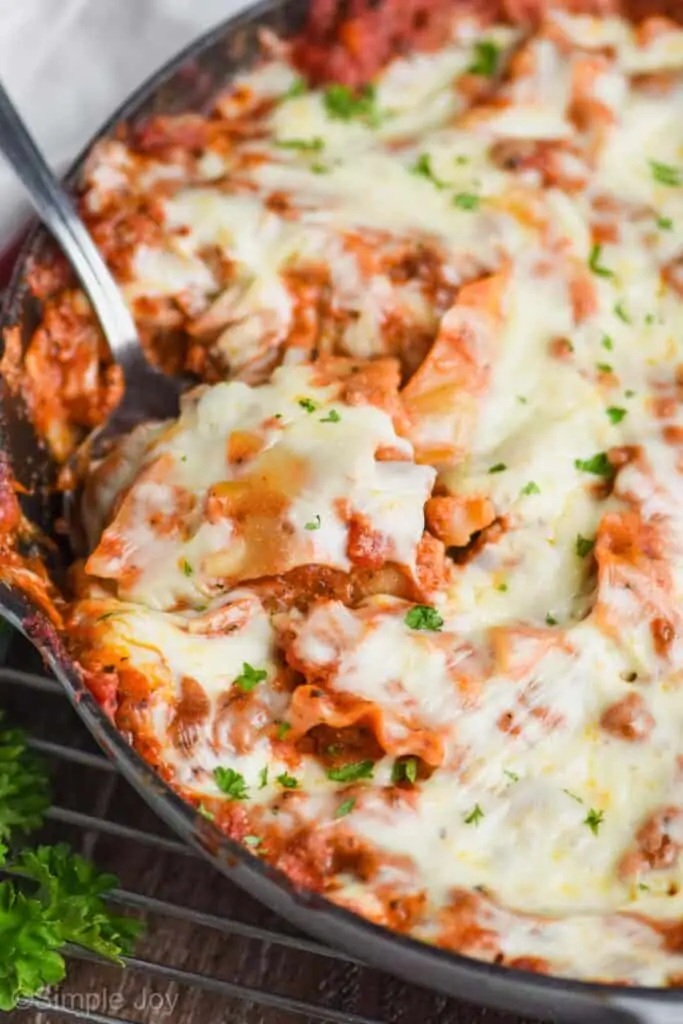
{"x":148,"y":394}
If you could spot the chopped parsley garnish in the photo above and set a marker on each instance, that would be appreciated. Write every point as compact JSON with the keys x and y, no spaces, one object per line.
{"x":594,"y":820}
{"x":423,"y":616}
{"x":629,"y":393}
{"x":405,"y":770}
{"x":598,"y":464}
{"x":345,"y":807}
{"x":512,"y":776}
{"x":531,"y":488}
{"x":253,"y":840}
{"x":282,"y":730}
{"x":486,"y":58}
{"x":319,"y":168}
{"x":584,"y":546}
{"x":332,"y":417}
{"x":616,"y":414}
{"x":621,"y":313}
{"x":595,"y":264}
{"x":522,"y":399}
{"x":231,"y":783}
{"x":205,"y":812}
{"x":474,"y":816}
{"x":263,"y":777}
{"x":502,"y":587}
{"x":250,"y":677}
{"x":604,"y":367}
{"x":550,"y":620}
{"x":353,"y":772}
{"x":308,"y":404}
{"x":313,"y":145}
{"x":607,"y":342}
{"x":573,"y":796}
{"x":499,"y":467}
{"x":297,"y":88}
{"x":287,"y":781}
{"x":314,"y":524}
{"x":423,"y":168}
{"x":466,"y":201}
{"x":186,"y":567}
{"x":650,"y":319}
{"x":343,"y":104}
{"x":643,"y":887}
{"x":666,"y":174}
{"x":665,"y":223}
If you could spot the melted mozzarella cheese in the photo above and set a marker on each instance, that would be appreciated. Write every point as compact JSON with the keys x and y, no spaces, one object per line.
{"x":533,"y":783}
{"x":287,"y":502}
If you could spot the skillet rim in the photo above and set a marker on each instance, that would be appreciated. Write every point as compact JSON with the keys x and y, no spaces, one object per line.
{"x":419,"y":962}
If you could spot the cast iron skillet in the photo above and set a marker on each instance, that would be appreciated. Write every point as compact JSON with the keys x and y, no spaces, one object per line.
{"x":189,"y":81}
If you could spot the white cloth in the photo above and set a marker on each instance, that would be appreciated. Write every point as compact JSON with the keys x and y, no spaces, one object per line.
{"x":67,"y":64}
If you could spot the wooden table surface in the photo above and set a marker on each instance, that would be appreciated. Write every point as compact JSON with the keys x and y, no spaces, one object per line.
{"x":134,"y":995}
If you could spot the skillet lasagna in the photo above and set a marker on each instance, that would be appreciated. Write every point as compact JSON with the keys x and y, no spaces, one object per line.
{"x":397,"y":600}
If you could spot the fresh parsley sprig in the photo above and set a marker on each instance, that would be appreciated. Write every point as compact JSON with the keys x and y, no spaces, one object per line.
{"x":49,"y":896}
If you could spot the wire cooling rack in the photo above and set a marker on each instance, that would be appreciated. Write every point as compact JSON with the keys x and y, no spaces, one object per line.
{"x":210,"y":953}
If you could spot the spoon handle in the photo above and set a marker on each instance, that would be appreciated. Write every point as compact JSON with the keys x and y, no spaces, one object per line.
{"x":58,"y":213}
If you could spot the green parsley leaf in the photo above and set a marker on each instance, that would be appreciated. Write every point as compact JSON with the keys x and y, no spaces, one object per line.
{"x":550,"y":620}
{"x":531,"y":488}
{"x":287,"y":781}
{"x":629,"y":393}
{"x":665,"y":223}
{"x":205,"y":812}
{"x":405,"y":770}
{"x":319,"y":168}
{"x":594,"y":820}
{"x":345,"y":807}
{"x":353,"y":772}
{"x":502,"y":587}
{"x":282,"y":730}
{"x":343,"y":104}
{"x":604,"y":367}
{"x":250,"y":677}
{"x":308,"y":404}
{"x":522,"y":400}
{"x":650,"y":319}
{"x":263,"y":776}
{"x":499,"y":467}
{"x":666,"y":174}
{"x":24,"y":788}
{"x":313,"y":145}
{"x":573,"y":796}
{"x":512,"y":776}
{"x":315,"y":524}
{"x":297,"y":88}
{"x":71,"y":891}
{"x":616,"y":414}
{"x":486,"y":58}
{"x":423,"y":168}
{"x":594,"y":262}
{"x":621,"y":313}
{"x":474,"y":816}
{"x":30,"y":947}
{"x":186,"y":567}
{"x":422,"y":616}
{"x":607,"y":342}
{"x":643,"y":887}
{"x":466,"y":201}
{"x":252,"y":840}
{"x":584,"y":545}
{"x":231,"y":783}
{"x":332,"y":417}
{"x":597,"y":464}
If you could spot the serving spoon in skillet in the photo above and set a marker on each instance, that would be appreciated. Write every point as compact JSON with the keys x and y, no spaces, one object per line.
{"x":148,"y":394}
